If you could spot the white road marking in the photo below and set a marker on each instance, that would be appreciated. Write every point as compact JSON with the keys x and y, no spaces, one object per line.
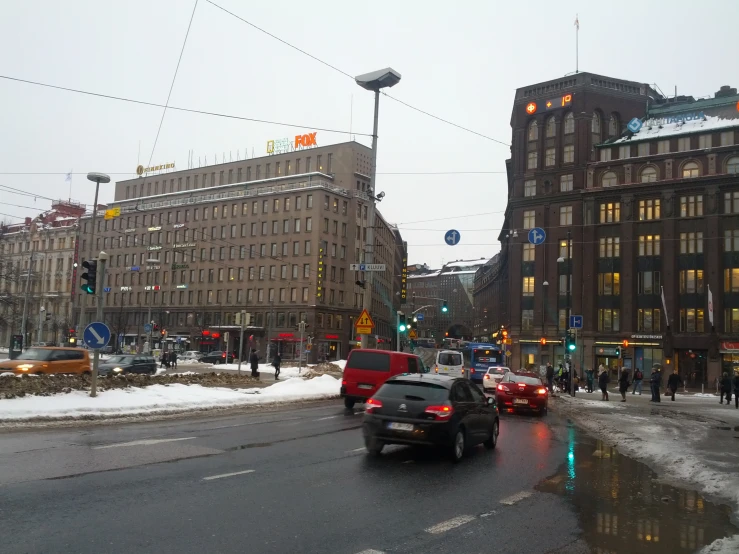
{"x":143,"y":442}
{"x":355,"y":450}
{"x":370,"y":551}
{"x":453,"y":523}
{"x":487,"y":514}
{"x":511,"y":500}
{"x":408,"y":462}
{"x":228,"y":474}
{"x":329,"y":417}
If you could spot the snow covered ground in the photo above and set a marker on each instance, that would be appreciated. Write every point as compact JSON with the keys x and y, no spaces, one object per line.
{"x":690,"y":441}
{"x":163,"y":399}
{"x":285,"y":370}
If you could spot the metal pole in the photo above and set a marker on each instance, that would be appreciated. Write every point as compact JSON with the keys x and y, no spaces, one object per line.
{"x":241,"y":338}
{"x":99,"y":285}
{"x":301,"y":326}
{"x":83,"y":303}
{"x":370,"y":246}
{"x":397,"y":331}
{"x":569,"y":309}
{"x":25,"y":303}
{"x":40,"y":322}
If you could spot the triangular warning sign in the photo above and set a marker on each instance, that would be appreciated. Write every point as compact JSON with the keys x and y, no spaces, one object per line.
{"x":364,"y":320}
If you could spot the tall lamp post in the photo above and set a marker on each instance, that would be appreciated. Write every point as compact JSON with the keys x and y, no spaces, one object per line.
{"x":96,"y":178}
{"x":148,"y":320}
{"x":568,"y":268}
{"x":374,"y":81}
{"x":544,"y":290}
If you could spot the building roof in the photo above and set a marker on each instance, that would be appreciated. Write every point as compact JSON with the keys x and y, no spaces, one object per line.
{"x":660,"y":128}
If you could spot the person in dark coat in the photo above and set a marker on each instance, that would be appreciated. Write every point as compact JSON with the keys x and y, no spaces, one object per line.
{"x":736,"y":389}
{"x":163,"y":360}
{"x":673,"y":382}
{"x":173,"y":359}
{"x":725,"y":388}
{"x":254,"y":361}
{"x":550,"y":378}
{"x":638,"y":378}
{"x":623,"y":384}
{"x":276,"y":361}
{"x":655,"y":382}
{"x":603,"y":380}
{"x":589,"y":375}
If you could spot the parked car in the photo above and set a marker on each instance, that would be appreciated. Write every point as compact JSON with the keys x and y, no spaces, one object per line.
{"x":522,"y":390}
{"x":217,"y":357}
{"x":367,"y":369}
{"x":192,"y":355}
{"x":430,"y":410}
{"x":128,"y":363}
{"x":48,"y":359}
{"x":494,"y":375}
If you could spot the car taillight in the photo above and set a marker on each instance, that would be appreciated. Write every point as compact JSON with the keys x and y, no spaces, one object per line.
{"x":541,"y":391}
{"x":443,"y":411}
{"x":487,"y":376}
{"x":223,"y":355}
{"x":372,"y":405}
{"x":503,"y":387}
{"x":343,"y":382}
{"x":472,"y":370}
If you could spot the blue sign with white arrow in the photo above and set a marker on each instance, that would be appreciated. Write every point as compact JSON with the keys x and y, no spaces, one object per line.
{"x":634,"y":125}
{"x":419,"y":317}
{"x":537,"y":235}
{"x":452,"y":237}
{"x":147,"y":328}
{"x":96,"y":335}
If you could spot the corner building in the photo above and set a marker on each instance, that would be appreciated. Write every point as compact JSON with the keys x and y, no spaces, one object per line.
{"x":273,"y":236}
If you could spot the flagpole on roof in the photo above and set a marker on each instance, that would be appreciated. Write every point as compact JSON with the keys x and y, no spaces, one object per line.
{"x":69,"y":179}
{"x":577,"y":46}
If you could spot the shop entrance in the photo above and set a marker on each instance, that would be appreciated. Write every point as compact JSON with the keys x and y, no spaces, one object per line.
{"x":691,"y":366}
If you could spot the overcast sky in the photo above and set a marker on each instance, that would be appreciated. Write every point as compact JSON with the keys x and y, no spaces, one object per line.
{"x":461,"y":62}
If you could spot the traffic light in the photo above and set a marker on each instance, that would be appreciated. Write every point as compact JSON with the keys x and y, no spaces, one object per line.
{"x":543,"y":341}
{"x":89,"y":278}
{"x":625,"y":344}
{"x":570,"y":343}
{"x":402,"y":325}
{"x":504,"y":333}
{"x":444,"y":307}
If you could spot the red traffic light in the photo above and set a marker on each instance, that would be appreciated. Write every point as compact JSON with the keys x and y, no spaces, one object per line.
{"x":625,"y":344}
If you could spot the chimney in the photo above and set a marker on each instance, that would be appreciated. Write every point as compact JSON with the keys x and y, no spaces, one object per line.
{"x":28,"y":221}
{"x":724,"y":91}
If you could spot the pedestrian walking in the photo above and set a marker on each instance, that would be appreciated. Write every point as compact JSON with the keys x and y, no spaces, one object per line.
{"x":603,"y":380}
{"x":589,"y":374}
{"x":673,"y":382}
{"x":173,"y":359}
{"x":623,"y":384}
{"x":655,"y":382}
{"x":550,"y":378}
{"x":638,"y":377}
{"x":163,"y":360}
{"x":736,"y":389}
{"x":276,"y":361}
{"x":726,"y":389}
{"x":254,"y":361}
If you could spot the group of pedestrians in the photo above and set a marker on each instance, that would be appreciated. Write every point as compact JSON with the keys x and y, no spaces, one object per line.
{"x":168,"y":359}
{"x":254,"y":363}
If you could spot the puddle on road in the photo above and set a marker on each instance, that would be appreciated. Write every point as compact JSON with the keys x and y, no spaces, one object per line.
{"x":622,"y":508}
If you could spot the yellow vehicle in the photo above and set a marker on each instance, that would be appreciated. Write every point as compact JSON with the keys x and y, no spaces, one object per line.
{"x":48,"y":360}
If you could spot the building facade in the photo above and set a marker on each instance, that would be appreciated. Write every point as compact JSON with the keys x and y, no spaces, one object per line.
{"x":636,"y":207}
{"x":43,"y":248}
{"x":271,"y":236}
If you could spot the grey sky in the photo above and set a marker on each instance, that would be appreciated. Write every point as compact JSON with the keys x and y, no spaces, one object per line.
{"x":459,"y":64}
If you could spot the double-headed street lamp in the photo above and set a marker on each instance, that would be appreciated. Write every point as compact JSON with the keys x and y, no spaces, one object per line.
{"x":568,"y":310}
{"x":374,"y":81}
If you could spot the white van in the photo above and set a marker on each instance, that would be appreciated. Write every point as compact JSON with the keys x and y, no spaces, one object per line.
{"x":449,"y":362}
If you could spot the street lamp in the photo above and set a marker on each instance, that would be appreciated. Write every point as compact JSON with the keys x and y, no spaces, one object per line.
{"x":96,"y":178}
{"x":561,"y":260}
{"x":148,"y":320}
{"x":545,"y":286}
{"x":373,"y":81}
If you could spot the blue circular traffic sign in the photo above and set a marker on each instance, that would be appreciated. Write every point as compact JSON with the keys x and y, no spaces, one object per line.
{"x":537,"y":235}
{"x":452,"y":237}
{"x":96,"y":335}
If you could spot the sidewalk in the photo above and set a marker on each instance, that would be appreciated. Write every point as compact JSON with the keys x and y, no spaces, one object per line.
{"x":693,"y":441}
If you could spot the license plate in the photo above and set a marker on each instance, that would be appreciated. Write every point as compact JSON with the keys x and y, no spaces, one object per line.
{"x":365,"y":386}
{"x":400,"y":426}
{"x":520,"y":401}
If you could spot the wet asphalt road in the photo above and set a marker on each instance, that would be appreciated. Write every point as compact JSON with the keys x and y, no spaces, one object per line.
{"x":298,"y":480}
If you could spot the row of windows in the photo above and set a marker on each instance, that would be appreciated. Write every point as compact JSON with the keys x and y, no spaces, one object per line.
{"x":550,"y":157}
{"x":692,"y":320}
{"x":684,"y":144}
{"x":648,"y":174}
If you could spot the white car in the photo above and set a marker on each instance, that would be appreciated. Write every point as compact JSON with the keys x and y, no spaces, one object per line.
{"x":494,"y":375}
{"x":193,"y":355}
{"x":449,"y":362}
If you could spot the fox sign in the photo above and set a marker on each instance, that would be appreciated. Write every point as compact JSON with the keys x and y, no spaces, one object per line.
{"x":283,"y":146}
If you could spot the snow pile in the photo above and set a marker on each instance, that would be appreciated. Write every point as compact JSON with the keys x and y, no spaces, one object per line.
{"x":659,"y":128}
{"x":161,"y":399}
{"x":729,"y":545}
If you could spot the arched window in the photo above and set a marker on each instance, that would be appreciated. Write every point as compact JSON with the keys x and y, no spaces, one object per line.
{"x":609,"y":179}
{"x":533,"y":131}
{"x":648,"y":174}
{"x":732,"y":166}
{"x":551,"y":127}
{"x":691,"y":169}
{"x":569,"y":124}
{"x":595,"y":126}
{"x":613,"y":126}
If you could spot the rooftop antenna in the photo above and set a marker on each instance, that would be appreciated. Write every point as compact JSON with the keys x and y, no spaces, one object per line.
{"x":351,"y":115}
{"x":577,"y":45}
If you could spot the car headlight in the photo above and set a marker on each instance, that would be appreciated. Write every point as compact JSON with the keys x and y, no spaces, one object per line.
{"x":25,"y":367}
{"x":117,"y":369}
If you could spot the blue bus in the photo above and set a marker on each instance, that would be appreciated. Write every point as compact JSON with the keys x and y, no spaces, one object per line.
{"x":479,"y":356}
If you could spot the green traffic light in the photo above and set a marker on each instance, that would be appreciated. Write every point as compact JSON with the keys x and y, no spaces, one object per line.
{"x":572,"y":347}
{"x":401,"y":328}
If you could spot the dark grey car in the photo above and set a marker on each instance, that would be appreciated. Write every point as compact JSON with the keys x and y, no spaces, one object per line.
{"x":128,"y":363}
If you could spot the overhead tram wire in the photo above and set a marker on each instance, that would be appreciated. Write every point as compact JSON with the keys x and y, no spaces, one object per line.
{"x":335,"y":172}
{"x":176,"y":108}
{"x":342,"y":72}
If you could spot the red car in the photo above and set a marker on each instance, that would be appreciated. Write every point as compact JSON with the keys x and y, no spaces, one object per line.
{"x":521,"y":390}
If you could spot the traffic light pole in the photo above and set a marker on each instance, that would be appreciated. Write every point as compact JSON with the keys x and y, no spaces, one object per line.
{"x":397,"y":331}
{"x":99,"y":286}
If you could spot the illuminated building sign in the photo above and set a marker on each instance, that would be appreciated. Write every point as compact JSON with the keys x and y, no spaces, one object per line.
{"x":678,"y":118}
{"x":184,"y":245}
{"x":154,"y":248}
{"x":133,"y":230}
{"x":140,"y":170}
{"x":126,"y":289}
{"x":555,"y":103}
{"x":152,"y":287}
{"x":180,"y":266}
{"x":332,"y":337}
{"x":149,"y":267}
{"x":285,"y":145}
{"x":181,"y":286}
{"x":150,"y":229}
{"x":404,"y":276}
{"x":178,"y":225}
{"x":319,"y":278}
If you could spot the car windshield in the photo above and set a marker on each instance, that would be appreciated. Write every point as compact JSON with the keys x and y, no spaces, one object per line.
{"x":118,"y":359}
{"x":35,"y":354}
{"x":497,"y":370}
{"x":450,"y":358}
{"x":413,"y":391}
{"x":524,"y":379}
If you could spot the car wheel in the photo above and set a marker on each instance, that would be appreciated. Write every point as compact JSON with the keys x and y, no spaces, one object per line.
{"x":373,"y":446}
{"x":458,"y":445}
{"x":492,"y":441}
{"x":348,"y":403}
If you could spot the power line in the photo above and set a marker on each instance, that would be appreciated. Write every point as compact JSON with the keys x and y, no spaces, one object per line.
{"x":24,"y":193}
{"x":342,"y":72}
{"x":248,"y":159}
{"x":187,"y":110}
{"x":13,"y":216}
{"x":19,"y":206}
{"x":174,"y":78}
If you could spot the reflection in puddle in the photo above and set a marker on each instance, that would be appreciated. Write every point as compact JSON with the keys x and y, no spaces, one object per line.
{"x":622,"y":508}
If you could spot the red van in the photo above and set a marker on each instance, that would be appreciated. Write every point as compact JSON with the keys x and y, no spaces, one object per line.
{"x":366,"y":370}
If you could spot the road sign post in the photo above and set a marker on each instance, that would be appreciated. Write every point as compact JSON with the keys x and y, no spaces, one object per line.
{"x":301,"y":327}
